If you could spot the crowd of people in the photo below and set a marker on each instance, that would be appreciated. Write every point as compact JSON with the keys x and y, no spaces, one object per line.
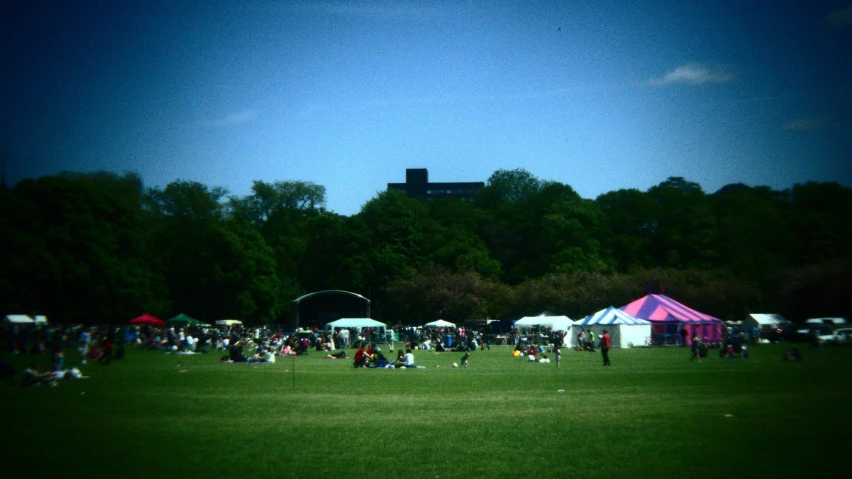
{"x":261,"y":346}
{"x":99,"y":344}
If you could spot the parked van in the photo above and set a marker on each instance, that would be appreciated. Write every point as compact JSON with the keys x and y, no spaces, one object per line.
{"x":830,"y":321}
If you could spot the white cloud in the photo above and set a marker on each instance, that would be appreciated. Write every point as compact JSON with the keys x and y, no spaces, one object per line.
{"x":842,"y":17}
{"x":810,"y":123}
{"x":693,"y":74}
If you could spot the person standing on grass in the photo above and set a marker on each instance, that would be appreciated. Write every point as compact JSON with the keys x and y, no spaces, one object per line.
{"x":606,"y":343}
{"x":465,"y":358}
{"x":696,"y":348}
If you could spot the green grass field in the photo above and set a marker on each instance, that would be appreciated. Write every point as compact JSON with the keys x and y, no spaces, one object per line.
{"x":652,"y":414}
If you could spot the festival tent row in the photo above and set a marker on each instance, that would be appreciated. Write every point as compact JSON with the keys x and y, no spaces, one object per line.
{"x":669,"y":318}
{"x":179,"y":320}
{"x":625,"y":330}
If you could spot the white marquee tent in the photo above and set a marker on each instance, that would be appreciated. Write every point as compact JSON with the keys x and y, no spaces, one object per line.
{"x":625,"y":330}
{"x":550,"y":323}
{"x":440,"y":324}
{"x":358,"y":323}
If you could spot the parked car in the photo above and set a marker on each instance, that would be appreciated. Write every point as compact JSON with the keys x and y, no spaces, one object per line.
{"x":843,"y":336}
{"x":836,"y":322}
{"x":805,"y":333}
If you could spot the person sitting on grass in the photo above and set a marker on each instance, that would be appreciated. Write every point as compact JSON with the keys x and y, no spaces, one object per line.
{"x":236,"y":354}
{"x":377,"y":355}
{"x":400,"y":359}
{"x":263,"y":356}
{"x":362,"y":358}
{"x":409,"y":360}
{"x":287,"y":349}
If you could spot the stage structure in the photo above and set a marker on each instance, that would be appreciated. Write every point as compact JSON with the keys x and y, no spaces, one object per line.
{"x":315,"y":310}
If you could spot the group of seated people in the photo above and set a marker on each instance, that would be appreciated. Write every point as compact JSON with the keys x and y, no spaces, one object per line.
{"x":237,"y":355}
{"x":369,"y":356}
{"x":733,"y":351}
{"x":586,"y":342}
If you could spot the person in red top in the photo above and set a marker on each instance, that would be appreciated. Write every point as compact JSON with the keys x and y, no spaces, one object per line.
{"x":606,"y":343}
{"x":362,"y":357}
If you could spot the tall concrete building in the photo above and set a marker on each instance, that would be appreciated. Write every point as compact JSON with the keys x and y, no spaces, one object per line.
{"x":417,"y":186}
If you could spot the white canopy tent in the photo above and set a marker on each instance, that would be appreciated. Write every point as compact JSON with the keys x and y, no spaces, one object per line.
{"x":440,"y":324}
{"x":18,"y":319}
{"x":357,"y":323}
{"x":229,"y":322}
{"x":625,"y":330}
{"x":768,"y":321}
{"x":542,"y":324}
{"x":41,"y":320}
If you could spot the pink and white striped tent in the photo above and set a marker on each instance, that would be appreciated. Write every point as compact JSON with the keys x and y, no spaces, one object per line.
{"x":669,"y":319}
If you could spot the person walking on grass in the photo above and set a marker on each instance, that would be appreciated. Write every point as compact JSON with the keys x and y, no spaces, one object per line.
{"x":464,"y":359}
{"x":606,"y":343}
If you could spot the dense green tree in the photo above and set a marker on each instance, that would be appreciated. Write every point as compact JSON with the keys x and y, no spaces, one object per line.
{"x":820,"y":216}
{"x":84,"y":258}
{"x":451,"y":238}
{"x":754,"y":239}
{"x":394,"y":223}
{"x":684,"y":230}
{"x":631,"y":220}
{"x":437,"y":293}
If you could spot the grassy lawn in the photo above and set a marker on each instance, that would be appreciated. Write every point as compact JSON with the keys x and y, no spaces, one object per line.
{"x":652,"y":414}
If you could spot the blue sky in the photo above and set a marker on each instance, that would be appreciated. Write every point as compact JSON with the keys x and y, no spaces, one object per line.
{"x":595,"y":94}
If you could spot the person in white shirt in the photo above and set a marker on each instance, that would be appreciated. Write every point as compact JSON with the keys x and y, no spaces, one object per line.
{"x":409,"y":359}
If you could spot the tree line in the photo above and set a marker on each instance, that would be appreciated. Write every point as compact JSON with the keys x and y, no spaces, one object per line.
{"x":103,"y":248}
